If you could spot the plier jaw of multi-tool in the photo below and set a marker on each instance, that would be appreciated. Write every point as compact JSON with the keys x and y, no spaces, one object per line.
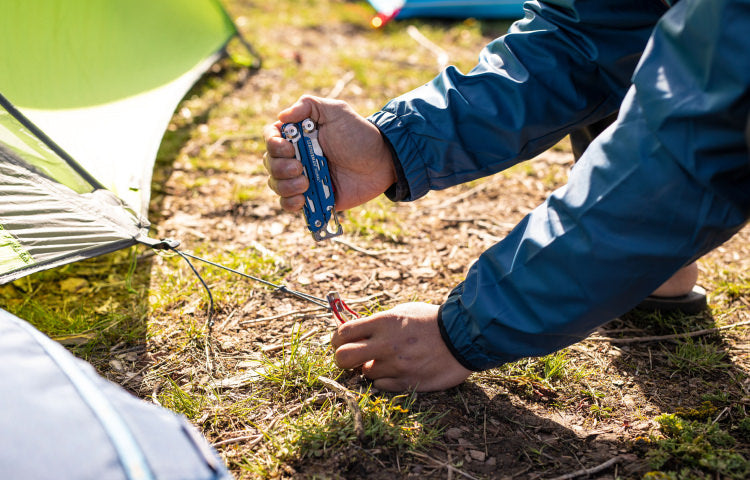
{"x":339,"y":308}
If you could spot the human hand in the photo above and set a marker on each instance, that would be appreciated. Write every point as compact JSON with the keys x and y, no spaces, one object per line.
{"x":400,"y":349}
{"x":360,"y":163}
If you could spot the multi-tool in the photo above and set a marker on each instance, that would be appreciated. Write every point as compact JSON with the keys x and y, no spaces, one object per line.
{"x":319,"y":206}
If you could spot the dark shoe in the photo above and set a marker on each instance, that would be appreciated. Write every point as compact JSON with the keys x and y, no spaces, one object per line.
{"x":692,"y":303}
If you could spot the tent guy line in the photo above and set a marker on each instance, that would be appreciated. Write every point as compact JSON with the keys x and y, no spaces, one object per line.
{"x":332,"y":302}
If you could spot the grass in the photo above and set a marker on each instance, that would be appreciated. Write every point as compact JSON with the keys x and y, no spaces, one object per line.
{"x":89,"y":306}
{"x":320,"y":425}
{"x":692,"y":449}
{"x":691,"y":356}
{"x":376,"y":221}
{"x":549,"y":370}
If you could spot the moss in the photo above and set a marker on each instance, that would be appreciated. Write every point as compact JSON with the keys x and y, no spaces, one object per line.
{"x":695,"y":449}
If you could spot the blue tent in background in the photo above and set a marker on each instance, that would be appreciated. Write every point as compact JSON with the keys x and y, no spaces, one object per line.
{"x":400,"y":9}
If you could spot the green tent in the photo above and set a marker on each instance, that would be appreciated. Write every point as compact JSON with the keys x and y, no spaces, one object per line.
{"x":88,"y":88}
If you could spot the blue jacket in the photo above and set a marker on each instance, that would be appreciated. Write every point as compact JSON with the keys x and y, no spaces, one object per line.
{"x":666,"y":183}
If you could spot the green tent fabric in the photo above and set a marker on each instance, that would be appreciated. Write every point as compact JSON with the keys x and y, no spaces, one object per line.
{"x":52,"y":211}
{"x":89,"y":87}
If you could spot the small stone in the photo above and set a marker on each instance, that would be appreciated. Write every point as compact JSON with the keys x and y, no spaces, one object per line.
{"x":389,"y":275}
{"x":116,"y":365}
{"x":424,"y":272}
{"x":477,"y":455}
{"x":277,"y":228}
{"x":131,"y":357}
{"x":454,"y":433}
{"x":320,"y":277}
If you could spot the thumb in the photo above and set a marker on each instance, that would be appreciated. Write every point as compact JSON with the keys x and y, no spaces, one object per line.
{"x":305,"y":107}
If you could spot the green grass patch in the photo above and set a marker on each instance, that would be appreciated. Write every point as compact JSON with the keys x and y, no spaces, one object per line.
{"x":375,"y":220}
{"x":696,"y":356}
{"x":548,"y":370}
{"x":179,"y":287}
{"x":87,"y":306}
{"x":321,"y":425}
{"x":692,"y":449}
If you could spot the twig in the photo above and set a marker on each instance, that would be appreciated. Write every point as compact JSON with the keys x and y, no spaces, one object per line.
{"x":726,"y":409}
{"x":208,"y":350}
{"x":155,"y":393}
{"x":303,"y":312}
{"x":589,"y":471}
{"x":351,"y":401}
{"x":450,"y":460}
{"x":656,"y":338}
{"x":503,"y":227}
{"x":537,"y":387}
{"x":370,"y":454}
{"x":446,"y":465}
{"x":226,"y":138}
{"x":279,"y":346}
{"x":257,"y":437}
{"x":484,"y":235}
{"x":484,"y":431}
{"x":232,"y":441}
{"x":339,"y":87}
{"x":228,"y":321}
{"x":295,"y":313}
{"x":442,"y":55}
{"x":355,"y":301}
{"x":459,"y":197}
{"x":372,"y":253}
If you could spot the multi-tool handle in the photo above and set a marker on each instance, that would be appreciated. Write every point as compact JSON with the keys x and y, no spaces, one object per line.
{"x":319,"y":198}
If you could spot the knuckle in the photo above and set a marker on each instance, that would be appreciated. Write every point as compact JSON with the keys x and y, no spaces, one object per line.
{"x":292,"y":204}
{"x":345,"y":332}
{"x":344,"y":358}
{"x":272,"y":184}
{"x":275,"y":166}
{"x":289,"y":187}
{"x":290,"y":168}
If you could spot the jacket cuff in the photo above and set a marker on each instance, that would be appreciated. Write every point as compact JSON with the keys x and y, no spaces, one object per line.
{"x":413,"y":180}
{"x":399,"y":191}
{"x":449,"y":343}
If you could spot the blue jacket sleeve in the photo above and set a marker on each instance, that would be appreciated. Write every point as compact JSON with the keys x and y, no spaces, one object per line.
{"x":568,"y":63}
{"x":667,"y":182}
